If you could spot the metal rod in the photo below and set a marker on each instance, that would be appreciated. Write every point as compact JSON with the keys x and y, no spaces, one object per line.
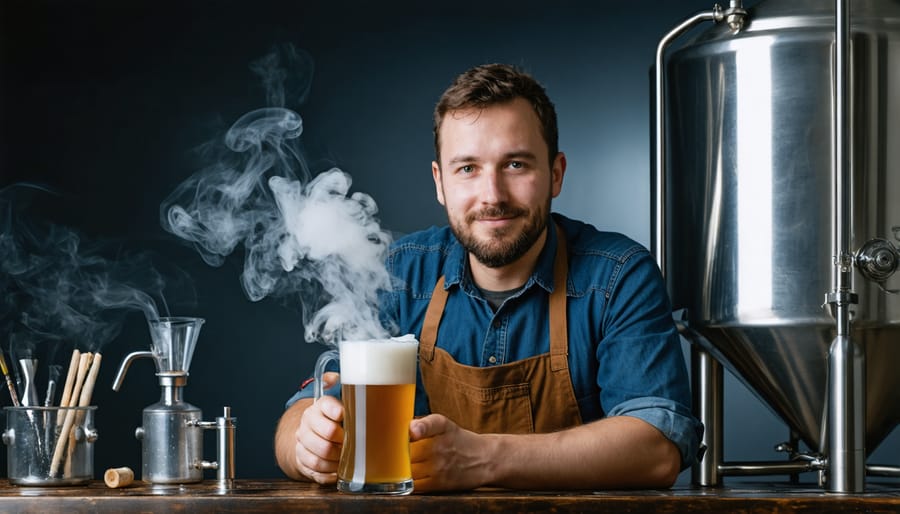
{"x":846,"y":417}
{"x":658,"y":243}
{"x":842,"y":178}
{"x":735,"y":16}
{"x":883,"y":471}
{"x":767,"y":468}
{"x":225,"y":473}
{"x":707,"y":387}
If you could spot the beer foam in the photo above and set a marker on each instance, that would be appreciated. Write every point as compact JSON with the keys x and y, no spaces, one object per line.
{"x":379,"y":361}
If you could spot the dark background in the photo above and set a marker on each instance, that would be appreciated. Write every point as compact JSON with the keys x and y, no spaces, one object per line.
{"x":108,"y":102}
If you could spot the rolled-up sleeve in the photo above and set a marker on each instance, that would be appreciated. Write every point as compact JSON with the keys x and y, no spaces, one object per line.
{"x":669,"y":417}
{"x":642,"y":371}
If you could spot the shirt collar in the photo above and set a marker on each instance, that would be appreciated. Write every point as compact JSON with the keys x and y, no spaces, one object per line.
{"x":456,"y":266}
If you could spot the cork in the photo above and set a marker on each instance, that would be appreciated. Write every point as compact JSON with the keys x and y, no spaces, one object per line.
{"x":118,"y":477}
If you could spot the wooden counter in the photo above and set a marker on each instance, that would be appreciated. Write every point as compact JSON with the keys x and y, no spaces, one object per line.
{"x":250,"y":496}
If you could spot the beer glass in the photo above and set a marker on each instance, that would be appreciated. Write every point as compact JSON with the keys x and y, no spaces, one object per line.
{"x":378,"y":386}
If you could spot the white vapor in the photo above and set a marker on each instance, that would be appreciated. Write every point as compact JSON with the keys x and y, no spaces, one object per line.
{"x":303,"y":237}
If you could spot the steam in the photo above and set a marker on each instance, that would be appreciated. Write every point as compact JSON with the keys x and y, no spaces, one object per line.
{"x":303,"y":237}
{"x":59,"y":288}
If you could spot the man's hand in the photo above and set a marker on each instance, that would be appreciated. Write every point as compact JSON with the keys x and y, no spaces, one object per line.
{"x":446,"y":457}
{"x":319,"y":440}
{"x":611,"y":453}
{"x":309,"y":438}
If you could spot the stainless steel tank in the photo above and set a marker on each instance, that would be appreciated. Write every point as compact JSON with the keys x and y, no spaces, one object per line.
{"x":750,"y":203}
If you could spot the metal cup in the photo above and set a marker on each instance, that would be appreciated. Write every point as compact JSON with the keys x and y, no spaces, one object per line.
{"x":378,"y":384}
{"x":50,"y":446}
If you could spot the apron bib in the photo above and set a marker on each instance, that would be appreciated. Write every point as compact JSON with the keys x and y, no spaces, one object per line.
{"x":533,"y":395}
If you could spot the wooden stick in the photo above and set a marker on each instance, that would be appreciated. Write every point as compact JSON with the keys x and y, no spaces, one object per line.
{"x":70,"y":382}
{"x":87,"y":391}
{"x":83,"y":365}
{"x":84,"y":400}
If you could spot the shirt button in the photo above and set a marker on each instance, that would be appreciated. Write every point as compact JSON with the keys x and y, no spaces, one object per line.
{"x":492,"y":359}
{"x":496,"y":324}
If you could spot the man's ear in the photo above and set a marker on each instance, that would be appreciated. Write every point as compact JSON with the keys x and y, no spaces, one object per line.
{"x":557,"y":172}
{"x":438,"y":187}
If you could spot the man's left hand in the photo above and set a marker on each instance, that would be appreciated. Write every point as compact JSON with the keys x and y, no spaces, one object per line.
{"x":446,"y":457}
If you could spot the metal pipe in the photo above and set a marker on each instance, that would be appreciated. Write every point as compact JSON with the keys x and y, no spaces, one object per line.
{"x":735,"y":16}
{"x":845,"y":422}
{"x":225,"y":426}
{"x":707,"y":387}
{"x":123,"y":368}
{"x":768,"y":468}
{"x":842,"y":180}
{"x":658,"y":220}
{"x":883,"y":471}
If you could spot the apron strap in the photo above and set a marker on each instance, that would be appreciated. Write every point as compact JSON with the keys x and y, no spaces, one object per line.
{"x":559,"y":332}
{"x":428,"y":337}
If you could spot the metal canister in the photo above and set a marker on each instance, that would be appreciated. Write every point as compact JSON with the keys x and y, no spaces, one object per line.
{"x":50,"y":446}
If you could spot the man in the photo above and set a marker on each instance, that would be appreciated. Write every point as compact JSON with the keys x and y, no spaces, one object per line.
{"x":548,"y":356}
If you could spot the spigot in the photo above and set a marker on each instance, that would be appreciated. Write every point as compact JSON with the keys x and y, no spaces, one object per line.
{"x":123,"y":368}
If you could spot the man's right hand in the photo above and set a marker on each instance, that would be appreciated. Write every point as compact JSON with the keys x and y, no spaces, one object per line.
{"x":309,"y":437}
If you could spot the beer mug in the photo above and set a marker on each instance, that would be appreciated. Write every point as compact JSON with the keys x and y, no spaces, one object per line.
{"x":378,"y":389}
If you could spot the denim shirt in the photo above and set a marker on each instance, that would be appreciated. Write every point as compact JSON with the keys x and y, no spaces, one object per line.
{"x":624,"y":351}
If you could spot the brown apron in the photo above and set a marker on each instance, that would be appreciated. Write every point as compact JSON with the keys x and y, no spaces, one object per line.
{"x":531,"y":395}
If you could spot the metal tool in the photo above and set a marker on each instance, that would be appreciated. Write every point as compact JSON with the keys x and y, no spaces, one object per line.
{"x":172,"y":430}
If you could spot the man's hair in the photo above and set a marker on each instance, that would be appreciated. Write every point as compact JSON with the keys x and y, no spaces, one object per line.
{"x":491,"y":84}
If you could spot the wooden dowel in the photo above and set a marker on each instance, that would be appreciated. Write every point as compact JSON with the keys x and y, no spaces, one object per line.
{"x":83,"y":364}
{"x":84,"y":400}
{"x":70,"y":382}
{"x":87,"y":390}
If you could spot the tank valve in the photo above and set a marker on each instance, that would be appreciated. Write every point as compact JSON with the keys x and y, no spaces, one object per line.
{"x":736,"y":15}
{"x":877,"y":260}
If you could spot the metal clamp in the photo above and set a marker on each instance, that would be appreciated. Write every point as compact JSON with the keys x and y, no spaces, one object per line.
{"x":224,"y":464}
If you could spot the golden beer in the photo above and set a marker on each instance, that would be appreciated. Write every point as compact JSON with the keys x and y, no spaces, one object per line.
{"x":376,"y":433}
{"x":378,"y":388}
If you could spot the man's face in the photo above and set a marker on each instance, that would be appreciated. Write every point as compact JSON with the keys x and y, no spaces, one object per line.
{"x":495,"y":180}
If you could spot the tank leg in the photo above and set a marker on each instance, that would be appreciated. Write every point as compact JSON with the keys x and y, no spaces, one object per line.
{"x":707,"y":387}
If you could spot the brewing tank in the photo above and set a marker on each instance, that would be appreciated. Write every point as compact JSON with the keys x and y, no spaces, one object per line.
{"x":750,"y":208}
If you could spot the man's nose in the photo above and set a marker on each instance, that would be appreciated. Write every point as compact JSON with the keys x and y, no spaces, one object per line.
{"x":493,"y":188}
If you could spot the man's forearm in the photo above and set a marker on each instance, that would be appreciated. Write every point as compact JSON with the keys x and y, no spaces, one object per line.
{"x":617,"y":452}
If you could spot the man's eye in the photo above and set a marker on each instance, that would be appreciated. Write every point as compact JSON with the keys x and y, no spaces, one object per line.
{"x":516,"y":165}
{"x":467,"y":169}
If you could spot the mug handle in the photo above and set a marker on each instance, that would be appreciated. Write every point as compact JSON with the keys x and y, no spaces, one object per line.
{"x":323,"y":361}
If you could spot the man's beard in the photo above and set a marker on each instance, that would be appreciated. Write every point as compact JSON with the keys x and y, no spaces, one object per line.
{"x":496,"y":251}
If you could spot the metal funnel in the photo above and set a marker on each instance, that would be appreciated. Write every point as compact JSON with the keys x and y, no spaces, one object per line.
{"x":172,"y":343}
